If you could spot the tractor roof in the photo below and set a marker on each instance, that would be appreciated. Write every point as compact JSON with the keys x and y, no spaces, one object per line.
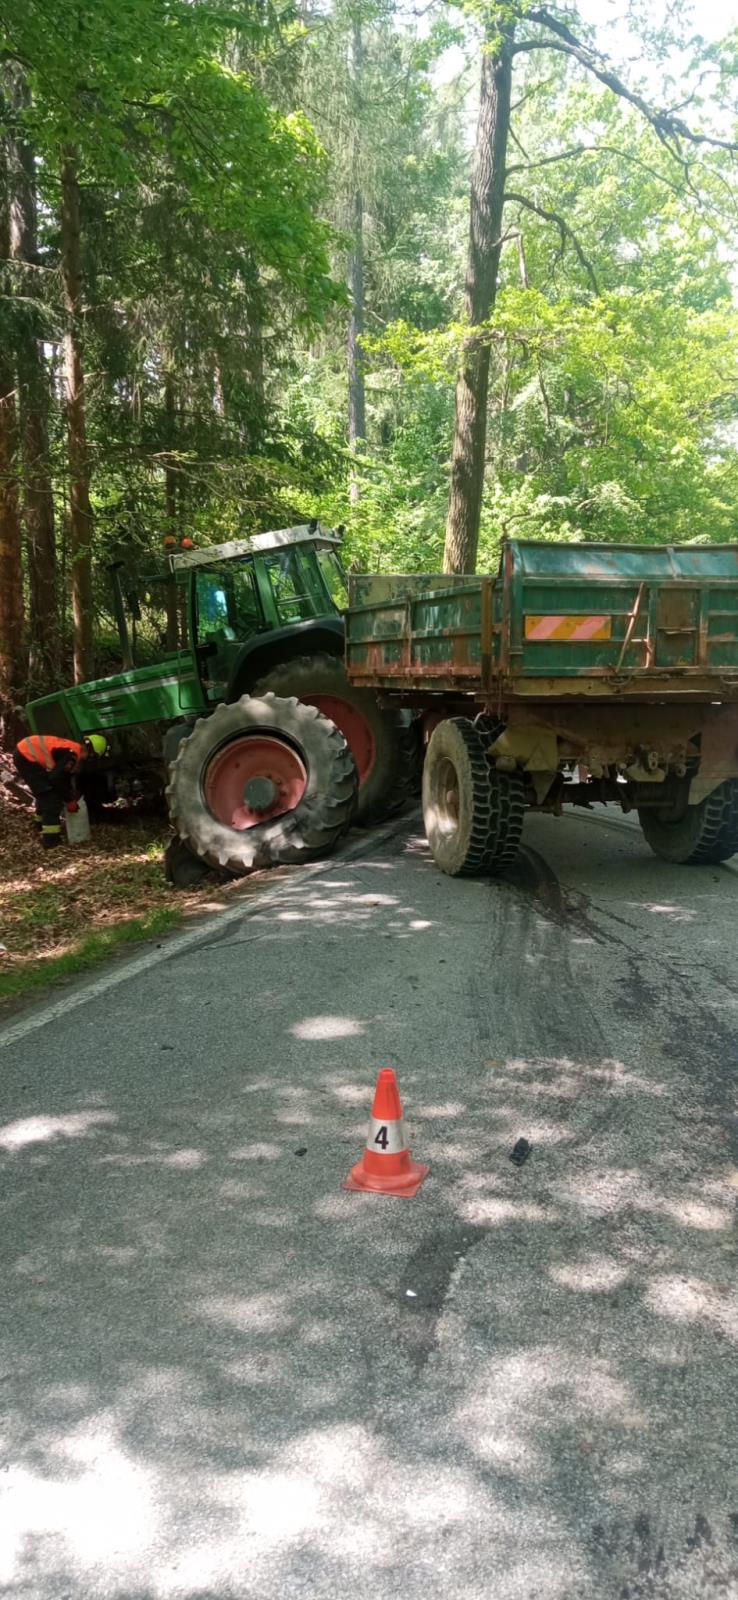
{"x":258,"y":544}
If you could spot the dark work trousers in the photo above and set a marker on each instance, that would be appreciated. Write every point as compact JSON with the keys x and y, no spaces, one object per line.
{"x":48,"y":790}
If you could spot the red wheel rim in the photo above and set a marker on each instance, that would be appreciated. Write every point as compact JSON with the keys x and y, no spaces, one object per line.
{"x":354,"y":727}
{"x":252,"y":779}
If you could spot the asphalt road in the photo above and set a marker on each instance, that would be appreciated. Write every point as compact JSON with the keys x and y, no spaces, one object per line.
{"x":222,"y":1376}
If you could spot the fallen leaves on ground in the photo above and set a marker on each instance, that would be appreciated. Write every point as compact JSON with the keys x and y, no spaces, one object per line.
{"x":61,"y":910}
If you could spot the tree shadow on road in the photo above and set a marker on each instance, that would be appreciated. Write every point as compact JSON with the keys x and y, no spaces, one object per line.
{"x":222,"y":1375}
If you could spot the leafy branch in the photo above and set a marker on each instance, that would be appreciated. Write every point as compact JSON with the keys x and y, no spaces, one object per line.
{"x":566,"y":232}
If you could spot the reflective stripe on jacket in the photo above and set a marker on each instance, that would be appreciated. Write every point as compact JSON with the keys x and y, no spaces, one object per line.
{"x":41,"y":748}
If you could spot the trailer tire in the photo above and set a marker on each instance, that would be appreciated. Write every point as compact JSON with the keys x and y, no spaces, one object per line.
{"x":706,"y":834}
{"x":384,"y":743}
{"x":473,"y":814}
{"x":258,"y":743}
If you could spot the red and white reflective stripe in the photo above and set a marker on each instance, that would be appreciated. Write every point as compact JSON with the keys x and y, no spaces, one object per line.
{"x":573,"y":629}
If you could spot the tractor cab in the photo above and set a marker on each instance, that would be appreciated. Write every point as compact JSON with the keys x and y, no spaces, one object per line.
{"x":187,"y":635}
{"x":275,"y":583}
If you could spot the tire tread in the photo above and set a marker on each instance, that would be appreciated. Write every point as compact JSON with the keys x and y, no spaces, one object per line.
{"x":709,"y":838}
{"x":496,"y":800}
{"x":317,"y":822}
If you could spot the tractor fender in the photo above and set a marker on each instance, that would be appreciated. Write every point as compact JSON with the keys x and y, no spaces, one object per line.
{"x":267,"y":650}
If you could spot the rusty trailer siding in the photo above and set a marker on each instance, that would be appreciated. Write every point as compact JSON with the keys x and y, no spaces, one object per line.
{"x":438,"y":635}
{"x":558,"y":620}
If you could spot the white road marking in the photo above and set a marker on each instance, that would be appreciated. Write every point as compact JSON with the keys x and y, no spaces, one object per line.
{"x":204,"y":930}
{"x":183,"y":941}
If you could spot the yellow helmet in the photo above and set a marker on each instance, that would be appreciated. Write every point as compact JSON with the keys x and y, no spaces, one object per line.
{"x":98,"y":743}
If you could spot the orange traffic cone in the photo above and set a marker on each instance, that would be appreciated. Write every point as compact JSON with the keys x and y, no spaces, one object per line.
{"x":386,"y":1166}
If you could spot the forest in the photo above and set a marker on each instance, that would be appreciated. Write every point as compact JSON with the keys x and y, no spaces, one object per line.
{"x":442,"y":274}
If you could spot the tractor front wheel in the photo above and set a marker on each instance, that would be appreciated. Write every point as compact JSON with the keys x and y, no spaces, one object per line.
{"x":262,"y":781}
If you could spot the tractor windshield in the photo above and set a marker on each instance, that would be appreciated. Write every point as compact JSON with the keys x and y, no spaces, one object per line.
{"x":334,"y":577}
{"x":157,"y":618}
{"x":227,"y":613}
{"x":305,"y":583}
{"x":295,"y":597}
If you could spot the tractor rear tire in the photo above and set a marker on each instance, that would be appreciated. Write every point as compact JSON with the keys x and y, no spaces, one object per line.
{"x":262,"y":757}
{"x":706,"y":834}
{"x":383,"y":743}
{"x":182,"y":868}
{"x":473,"y":814}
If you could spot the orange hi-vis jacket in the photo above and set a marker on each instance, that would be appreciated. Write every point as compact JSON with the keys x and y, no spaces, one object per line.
{"x":46,"y":750}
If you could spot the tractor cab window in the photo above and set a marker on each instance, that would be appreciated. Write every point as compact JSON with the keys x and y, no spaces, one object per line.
{"x":212,"y":605}
{"x":228,"y":613}
{"x":246,"y":608}
{"x":334,"y":577}
{"x":293,"y":597}
{"x":151,"y":609}
{"x":227,"y":603}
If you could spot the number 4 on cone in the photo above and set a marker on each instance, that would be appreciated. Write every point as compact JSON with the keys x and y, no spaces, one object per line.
{"x":386,"y":1166}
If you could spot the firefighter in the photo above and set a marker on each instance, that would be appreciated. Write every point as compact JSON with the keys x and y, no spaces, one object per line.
{"x":47,"y":765}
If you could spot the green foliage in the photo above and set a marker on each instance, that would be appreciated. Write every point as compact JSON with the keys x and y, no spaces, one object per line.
{"x":613,"y":410}
{"x":141,"y":90}
{"x":219,"y":146}
{"x":613,"y":419}
{"x":202,"y":244}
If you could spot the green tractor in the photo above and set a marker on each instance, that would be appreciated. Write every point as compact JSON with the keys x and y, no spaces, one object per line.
{"x":233,"y":697}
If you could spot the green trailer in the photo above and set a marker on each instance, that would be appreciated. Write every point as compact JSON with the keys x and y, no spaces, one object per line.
{"x":580,"y":673}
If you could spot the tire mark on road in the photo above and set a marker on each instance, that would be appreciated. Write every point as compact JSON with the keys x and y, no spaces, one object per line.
{"x":426,"y":1284}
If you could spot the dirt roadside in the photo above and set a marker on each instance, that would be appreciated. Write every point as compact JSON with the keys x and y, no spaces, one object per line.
{"x":63,"y":911}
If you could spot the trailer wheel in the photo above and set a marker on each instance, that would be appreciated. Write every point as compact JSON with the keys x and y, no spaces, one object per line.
{"x":384,"y":744}
{"x":707,"y":833}
{"x":473,"y":814}
{"x":262,"y":781}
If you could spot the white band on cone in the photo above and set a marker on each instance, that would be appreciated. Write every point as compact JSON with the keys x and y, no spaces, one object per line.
{"x":386,"y":1138}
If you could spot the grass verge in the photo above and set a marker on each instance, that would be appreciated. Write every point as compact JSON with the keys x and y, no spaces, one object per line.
{"x":86,"y":952}
{"x":63,"y":911}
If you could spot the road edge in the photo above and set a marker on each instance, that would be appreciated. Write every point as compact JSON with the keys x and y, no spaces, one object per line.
{"x":173,"y":944}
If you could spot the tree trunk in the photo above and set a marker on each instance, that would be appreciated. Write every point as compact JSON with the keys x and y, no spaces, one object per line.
{"x":356,"y":399}
{"x":80,"y":511}
{"x":485,"y":244}
{"x":12,"y":655}
{"x":356,"y":396}
{"x":170,"y":507}
{"x":255,"y":370}
{"x":33,"y":398}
